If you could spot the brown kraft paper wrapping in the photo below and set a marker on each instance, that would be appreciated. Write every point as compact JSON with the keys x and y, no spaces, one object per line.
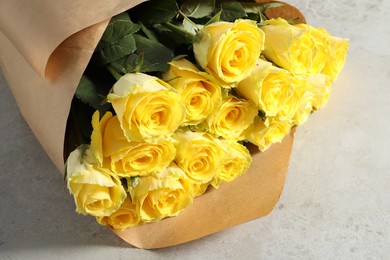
{"x":43,"y":54}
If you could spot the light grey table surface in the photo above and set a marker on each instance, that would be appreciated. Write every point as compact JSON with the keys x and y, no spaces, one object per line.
{"x":336,"y":202}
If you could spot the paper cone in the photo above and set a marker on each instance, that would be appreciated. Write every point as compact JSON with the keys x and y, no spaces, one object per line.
{"x":252,"y":195}
{"x":43,"y":56}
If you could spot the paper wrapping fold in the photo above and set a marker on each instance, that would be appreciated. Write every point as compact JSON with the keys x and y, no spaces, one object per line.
{"x":251,"y":196}
{"x":44,"y":48}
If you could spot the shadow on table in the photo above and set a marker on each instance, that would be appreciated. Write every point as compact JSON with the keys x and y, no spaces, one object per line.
{"x":37,"y":214}
{"x":36,"y":208}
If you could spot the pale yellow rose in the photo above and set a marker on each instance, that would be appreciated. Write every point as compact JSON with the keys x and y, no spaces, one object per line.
{"x":234,"y":164}
{"x":265,"y":133}
{"x":125,"y":158}
{"x":338,"y":49}
{"x":199,"y":93}
{"x":321,"y":41}
{"x":125,"y":217}
{"x":162,"y":195}
{"x":198,"y":155}
{"x":321,"y":87}
{"x":268,"y":87}
{"x":303,"y":93}
{"x":288,"y":46}
{"x":96,"y":190}
{"x":229,"y":51}
{"x":200,"y":188}
{"x":299,"y":104}
{"x":148,"y":108}
{"x":290,"y":107}
{"x":232,"y":119}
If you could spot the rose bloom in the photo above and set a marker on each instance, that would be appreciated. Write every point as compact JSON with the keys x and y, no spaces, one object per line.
{"x":162,"y":195}
{"x":290,"y":47}
{"x":125,"y":158}
{"x":268,"y":87}
{"x":148,"y":108}
{"x":232,"y":119}
{"x":198,"y":155}
{"x":199,"y":93}
{"x":125,"y":217}
{"x":299,"y":104}
{"x":321,"y":41}
{"x":338,"y":48}
{"x":303,"y":94}
{"x":229,"y":51}
{"x":321,"y":87}
{"x":200,"y":188}
{"x":265,"y":133}
{"x":234,"y":164}
{"x":96,"y":190}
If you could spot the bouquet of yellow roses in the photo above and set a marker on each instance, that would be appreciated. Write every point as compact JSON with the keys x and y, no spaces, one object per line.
{"x":180,"y":98}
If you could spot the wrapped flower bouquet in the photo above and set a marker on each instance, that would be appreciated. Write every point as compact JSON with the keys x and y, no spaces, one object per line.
{"x":173,"y":119}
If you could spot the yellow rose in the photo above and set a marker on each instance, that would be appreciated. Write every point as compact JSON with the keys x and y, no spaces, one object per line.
{"x":304,"y":95}
{"x":162,"y":195}
{"x":290,"y":47}
{"x":338,"y":48}
{"x":310,"y":92}
{"x":321,"y":41}
{"x":125,"y":217}
{"x":199,"y":93}
{"x":232,"y":119}
{"x":148,"y":109}
{"x":290,"y":107}
{"x":234,"y":164}
{"x":126,"y":158}
{"x":321,"y":87}
{"x":265,"y":133}
{"x":229,"y":51}
{"x":268,"y":87}
{"x":198,"y":155}
{"x":200,"y":188}
{"x":96,"y":190}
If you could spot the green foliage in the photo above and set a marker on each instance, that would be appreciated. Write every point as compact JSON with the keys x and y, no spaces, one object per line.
{"x":89,"y":93}
{"x":157,"y":11}
{"x":231,"y":11}
{"x":144,"y":39}
{"x":132,"y":182}
{"x":117,"y":40}
{"x":197,"y":8}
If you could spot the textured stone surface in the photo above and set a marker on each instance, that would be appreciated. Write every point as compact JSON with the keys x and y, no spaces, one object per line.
{"x":335,"y":205}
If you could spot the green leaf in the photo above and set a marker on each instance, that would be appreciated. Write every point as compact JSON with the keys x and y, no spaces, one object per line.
{"x":257,"y":8}
{"x":117,"y":40}
{"x":126,"y":64}
{"x":232,"y":11}
{"x":89,"y":94}
{"x":155,"y":55}
{"x":272,"y":5}
{"x":215,"y":18}
{"x":254,"y":17}
{"x":150,"y":56}
{"x":262,"y":115}
{"x":148,"y":33}
{"x":118,"y":27}
{"x":157,"y":11}
{"x":132,"y":182}
{"x":191,"y":27}
{"x":198,"y":8}
{"x":177,"y":33}
{"x":263,"y":18}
